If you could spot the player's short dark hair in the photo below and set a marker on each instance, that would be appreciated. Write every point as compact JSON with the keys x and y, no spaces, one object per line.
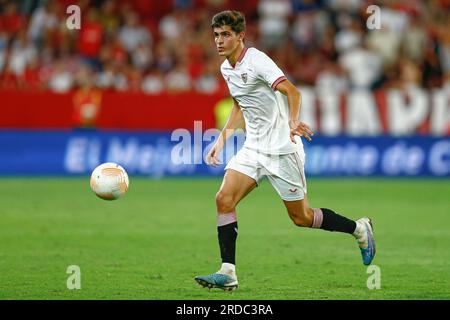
{"x":234,"y":19}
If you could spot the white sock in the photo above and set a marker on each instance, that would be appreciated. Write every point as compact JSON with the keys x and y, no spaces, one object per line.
{"x":228,"y":268}
{"x":359,"y":234}
{"x":359,"y":228}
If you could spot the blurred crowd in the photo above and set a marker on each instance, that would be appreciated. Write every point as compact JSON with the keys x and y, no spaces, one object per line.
{"x":157,"y":46}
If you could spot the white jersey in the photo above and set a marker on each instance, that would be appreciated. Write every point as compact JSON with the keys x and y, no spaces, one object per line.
{"x":252,"y":83}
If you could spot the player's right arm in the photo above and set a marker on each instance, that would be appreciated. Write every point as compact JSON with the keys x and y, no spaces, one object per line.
{"x":235,"y":121}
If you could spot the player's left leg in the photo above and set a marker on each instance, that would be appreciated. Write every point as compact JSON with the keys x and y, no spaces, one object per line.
{"x":287,"y":176}
{"x":321,"y":218}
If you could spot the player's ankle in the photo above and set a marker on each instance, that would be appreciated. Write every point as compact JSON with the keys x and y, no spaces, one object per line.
{"x":228,"y":268}
{"x":359,"y":229}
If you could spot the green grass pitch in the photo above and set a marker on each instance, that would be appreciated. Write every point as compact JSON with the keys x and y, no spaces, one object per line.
{"x":151,"y":243}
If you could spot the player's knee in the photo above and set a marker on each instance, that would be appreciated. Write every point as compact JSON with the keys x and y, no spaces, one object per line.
{"x":224,"y":202}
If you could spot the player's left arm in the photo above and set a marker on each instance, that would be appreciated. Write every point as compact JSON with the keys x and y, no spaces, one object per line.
{"x":294,"y":98}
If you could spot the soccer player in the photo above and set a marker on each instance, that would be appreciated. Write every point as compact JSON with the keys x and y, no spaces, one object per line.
{"x":267,"y":105}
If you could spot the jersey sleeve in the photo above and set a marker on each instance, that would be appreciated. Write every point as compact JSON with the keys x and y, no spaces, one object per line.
{"x":268,"y":71}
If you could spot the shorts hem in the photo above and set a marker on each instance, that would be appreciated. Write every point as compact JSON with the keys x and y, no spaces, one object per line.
{"x":293,"y":198}
{"x":241,"y":171}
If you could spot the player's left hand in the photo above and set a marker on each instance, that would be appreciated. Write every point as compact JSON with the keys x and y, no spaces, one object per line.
{"x":301,"y":129}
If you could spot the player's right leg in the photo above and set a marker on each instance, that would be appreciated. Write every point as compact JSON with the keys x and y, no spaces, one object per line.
{"x":234,"y":188}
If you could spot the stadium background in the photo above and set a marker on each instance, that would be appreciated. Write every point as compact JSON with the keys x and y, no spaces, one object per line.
{"x":142,"y":77}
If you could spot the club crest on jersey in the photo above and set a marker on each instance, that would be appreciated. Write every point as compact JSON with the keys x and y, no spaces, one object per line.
{"x":244,"y":77}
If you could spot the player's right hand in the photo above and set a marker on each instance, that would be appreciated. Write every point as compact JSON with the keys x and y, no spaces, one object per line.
{"x":211,"y":158}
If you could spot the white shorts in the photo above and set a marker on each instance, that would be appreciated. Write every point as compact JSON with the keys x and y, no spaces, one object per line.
{"x":285,"y":172}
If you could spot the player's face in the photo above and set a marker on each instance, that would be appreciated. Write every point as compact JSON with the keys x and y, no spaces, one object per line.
{"x":226,"y":40}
